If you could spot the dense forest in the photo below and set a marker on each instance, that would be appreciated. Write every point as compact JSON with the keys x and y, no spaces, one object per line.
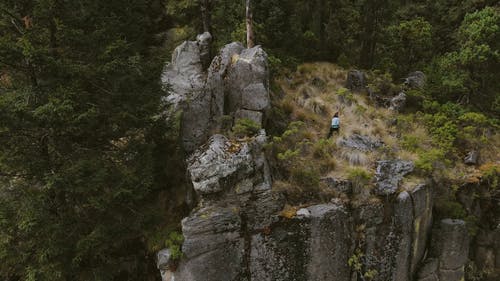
{"x":88,"y":162}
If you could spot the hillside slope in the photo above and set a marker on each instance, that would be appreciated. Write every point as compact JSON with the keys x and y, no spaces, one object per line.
{"x":387,"y":198}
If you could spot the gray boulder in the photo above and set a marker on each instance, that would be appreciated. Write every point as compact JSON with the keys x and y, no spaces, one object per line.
{"x":234,"y":167}
{"x":303,"y":212}
{"x":471,"y":157}
{"x":359,"y":142}
{"x":314,"y":247}
{"x":389,"y":173}
{"x":217,"y":72}
{"x":247,"y":82}
{"x":398,"y":102}
{"x":164,"y":264}
{"x":185,"y":78}
{"x":423,"y":200}
{"x":163,"y":259}
{"x":218,"y":166}
{"x":204,"y":40}
{"x":403,"y":214}
{"x":281,"y":254}
{"x":415,"y":80}
{"x":211,"y":241}
{"x":356,"y":80}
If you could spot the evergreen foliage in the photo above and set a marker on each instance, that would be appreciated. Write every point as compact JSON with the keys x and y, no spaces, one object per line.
{"x":79,"y":136}
{"x":85,"y":152}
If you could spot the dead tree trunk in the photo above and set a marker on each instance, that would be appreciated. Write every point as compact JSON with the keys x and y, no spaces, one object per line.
{"x":249,"y":22}
{"x":206,"y":15}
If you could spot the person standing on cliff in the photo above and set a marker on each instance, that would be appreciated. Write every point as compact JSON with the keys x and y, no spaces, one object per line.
{"x":334,"y":127}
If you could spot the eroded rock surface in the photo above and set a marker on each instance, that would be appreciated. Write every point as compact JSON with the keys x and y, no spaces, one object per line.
{"x":360,"y":142}
{"x":239,"y":230}
{"x":389,"y":173}
{"x":398,"y":102}
{"x":235,"y":84}
{"x":449,"y":252}
{"x":415,"y":80}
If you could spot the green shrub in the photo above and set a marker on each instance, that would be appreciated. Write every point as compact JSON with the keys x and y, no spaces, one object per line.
{"x":345,"y":96}
{"x":324,"y":148}
{"x":357,"y":263}
{"x":288,"y":155}
{"x":174,"y":244}
{"x":245,"y":127}
{"x":429,"y":159}
{"x":443,"y":129}
{"x":410,"y":143}
{"x":491,"y":175}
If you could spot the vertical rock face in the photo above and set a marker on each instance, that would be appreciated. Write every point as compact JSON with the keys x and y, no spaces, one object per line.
{"x":185,"y":78}
{"x":238,"y":232}
{"x":235,"y":84}
{"x":395,"y":233}
{"x":485,"y":246}
{"x":234,"y":184}
{"x":449,"y":251}
{"x":331,"y":246}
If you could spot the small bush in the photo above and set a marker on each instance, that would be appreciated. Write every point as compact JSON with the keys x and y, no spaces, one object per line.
{"x":429,"y":160}
{"x":410,"y":143}
{"x":324,"y":148}
{"x":245,"y":127}
{"x":359,"y":177}
{"x":225,"y":122}
{"x":174,"y":244}
{"x":345,"y":96}
{"x":490,"y":175}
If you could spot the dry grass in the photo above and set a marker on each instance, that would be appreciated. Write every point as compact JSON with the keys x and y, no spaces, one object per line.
{"x":315,"y":92}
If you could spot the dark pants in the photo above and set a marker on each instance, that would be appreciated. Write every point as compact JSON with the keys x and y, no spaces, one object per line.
{"x":332,"y":130}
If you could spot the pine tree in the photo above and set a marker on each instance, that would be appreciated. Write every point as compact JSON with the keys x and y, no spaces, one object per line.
{"x":79,"y":126}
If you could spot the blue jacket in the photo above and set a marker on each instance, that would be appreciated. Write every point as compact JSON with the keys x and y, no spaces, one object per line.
{"x":335,"y":122}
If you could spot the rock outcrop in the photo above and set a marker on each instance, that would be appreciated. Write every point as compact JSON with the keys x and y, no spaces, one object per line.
{"x":360,"y":142}
{"x":238,"y":232}
{"x":471,"y":157}
{"x":398,"y":102}
{"x":389,"y":173}
{"x":356,"y":80}
{"x":235,"y":84}
{"x":242,"y":230}
{"x":449,"y":251}
{"x":415,"y":80}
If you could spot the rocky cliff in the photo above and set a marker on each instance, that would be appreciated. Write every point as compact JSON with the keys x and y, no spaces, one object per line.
{"x":243,"y":229}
